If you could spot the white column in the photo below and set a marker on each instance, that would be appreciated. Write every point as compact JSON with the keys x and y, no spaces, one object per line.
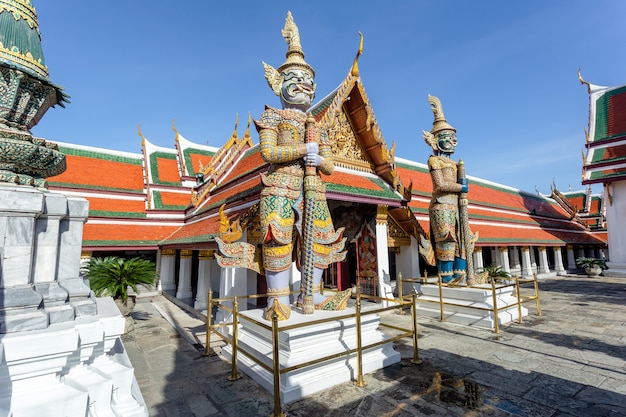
{"x":504,"y":258}
{"x":204,"y":279}
{"x":384,"y":279}
{"x":558,"y":261}
{"x":544,"y":268}
{"x":183,"y":291}
{"x":526,"y":263}
{"x":167,"y":272}
{"x":516,"y":267}
{"x":533,"y":261}
{"x":233,"y":283}
{"x":571,"y":258}
{"x":478,"y":258}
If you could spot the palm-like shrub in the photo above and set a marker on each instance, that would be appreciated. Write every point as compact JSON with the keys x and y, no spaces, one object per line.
{"x":591,"y":263}
{"x":113,"y":275}
{"x":495,"y":272}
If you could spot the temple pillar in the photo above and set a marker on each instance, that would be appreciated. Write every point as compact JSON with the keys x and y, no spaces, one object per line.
{"x":504,"y":258}
{"x":571,"y":258}
{"x":544,"y":268}
{"x":204,"y":279}
{"x":183,"y":291}
{"x":232,"y":284}
{"x":167,"y":271}
{"x":516,"y":267}
{"x":478,"y":258}
{"x":382,"y":250}
{"x":558,"y":261}
{"x":527,"y":270}
{"x":533,"y":260}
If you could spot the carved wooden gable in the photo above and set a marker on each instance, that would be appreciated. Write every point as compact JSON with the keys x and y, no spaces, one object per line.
{"x":346,"y":148}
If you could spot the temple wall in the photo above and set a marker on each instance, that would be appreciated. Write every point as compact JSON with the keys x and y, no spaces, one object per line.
{"x":616,"y":224}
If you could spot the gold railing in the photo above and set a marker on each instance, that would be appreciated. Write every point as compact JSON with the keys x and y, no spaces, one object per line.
{"x":276,"y":369}
{"x":496,"y":284}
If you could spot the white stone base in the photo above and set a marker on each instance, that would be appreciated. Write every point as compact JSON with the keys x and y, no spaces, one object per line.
{"x":471,"y":306}
{"x":308,"y":343}
{"x":74,"y":368}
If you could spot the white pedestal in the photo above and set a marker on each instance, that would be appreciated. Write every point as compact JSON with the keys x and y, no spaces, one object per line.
{"x":74,"y":368}
{"x":297,"y":346}
{"x":472,"y":306}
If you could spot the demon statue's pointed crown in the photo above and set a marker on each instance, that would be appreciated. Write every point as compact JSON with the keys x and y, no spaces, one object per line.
{"x":295,"y":75}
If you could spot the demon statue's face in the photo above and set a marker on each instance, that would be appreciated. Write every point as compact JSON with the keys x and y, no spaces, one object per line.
{"x":298,"y":89}
{"x":446,"y":141}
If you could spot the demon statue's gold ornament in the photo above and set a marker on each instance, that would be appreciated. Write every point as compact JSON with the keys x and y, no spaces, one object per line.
{"x":295,"y":221}
{"x":451,"y":242}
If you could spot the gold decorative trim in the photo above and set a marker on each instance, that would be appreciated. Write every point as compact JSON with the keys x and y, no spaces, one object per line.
{"x":13,"y":54}
{"x":186,"y":253}
{"x":206,"y":255}
{"x":382,"y":214}
{"x":168,"y":252}
{"x":21,"y":9}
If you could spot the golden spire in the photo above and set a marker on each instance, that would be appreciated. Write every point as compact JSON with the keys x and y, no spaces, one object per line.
{"x":580,"y":78}
{"x":235,"y":135}
{"x":143,"y":138}
{"x":174,"y":129}
{"x":355,"y":65}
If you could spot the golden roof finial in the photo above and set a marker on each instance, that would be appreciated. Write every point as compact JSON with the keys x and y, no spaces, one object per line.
{"x":247,"y":133}
{"x":235,"y":135}
{"x":355,"y":65}
{"x":143,"y":138}
{"x":580,"y":78}
{"x":174,"y":129}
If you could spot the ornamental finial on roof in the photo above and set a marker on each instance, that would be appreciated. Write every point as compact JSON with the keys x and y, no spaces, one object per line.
{"x":355,"y":65}
{"x":580,"y":78}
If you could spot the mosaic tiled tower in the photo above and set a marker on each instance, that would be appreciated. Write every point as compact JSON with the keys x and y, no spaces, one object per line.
{"x":41,"y":231}
{"x":61,"y":348}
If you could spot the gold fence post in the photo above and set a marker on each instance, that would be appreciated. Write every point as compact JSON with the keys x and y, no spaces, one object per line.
{"x":209,"y":311}
{"x":359,"y":354}
{"x":416,"y":359}
{"x":234,"y":375}
{"x":441,"y":316}
{"x":537,"y":295}
{"x":399,"y":283}
{"x":519,"y":302}
{"x":495,"y":305}
{"x":278,"y":411}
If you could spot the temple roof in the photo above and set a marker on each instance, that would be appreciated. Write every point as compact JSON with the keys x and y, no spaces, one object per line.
{"x":501,"y":215}
{"x":605,"y":160}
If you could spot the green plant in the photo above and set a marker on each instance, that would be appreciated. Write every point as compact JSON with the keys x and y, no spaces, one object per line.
{"x":113,"y":275}
{"x":495,"y":272}
{"x":591,"y":263}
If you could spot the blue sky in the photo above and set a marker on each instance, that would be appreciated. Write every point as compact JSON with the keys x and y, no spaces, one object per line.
{"x":505,"y":72}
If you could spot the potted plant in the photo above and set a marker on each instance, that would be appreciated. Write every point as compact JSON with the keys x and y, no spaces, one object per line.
{"x":113,"y":276}
{"x":593,"y":266}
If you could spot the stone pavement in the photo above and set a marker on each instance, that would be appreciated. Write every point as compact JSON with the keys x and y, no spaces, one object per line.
{"x":570,"y":361}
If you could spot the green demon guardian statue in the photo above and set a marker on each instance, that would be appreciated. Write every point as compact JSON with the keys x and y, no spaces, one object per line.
{"x":295,"y":221}
{"x":450,"y":235}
